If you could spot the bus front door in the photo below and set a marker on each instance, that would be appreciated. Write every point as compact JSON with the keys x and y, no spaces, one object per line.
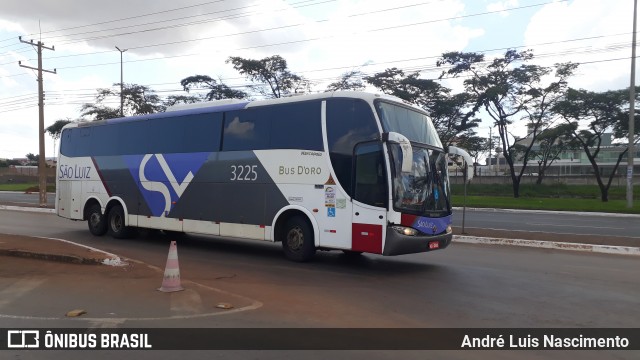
{"x":370,"y":198}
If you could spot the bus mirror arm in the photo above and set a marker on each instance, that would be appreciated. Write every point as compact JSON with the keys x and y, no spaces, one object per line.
{"x":467,"y":160}
{"x":405,"y":147}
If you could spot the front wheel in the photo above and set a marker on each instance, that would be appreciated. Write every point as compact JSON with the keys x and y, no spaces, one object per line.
{"x":116,"y":224}
{"x":297,"y":242}
{"x":96,"y":221}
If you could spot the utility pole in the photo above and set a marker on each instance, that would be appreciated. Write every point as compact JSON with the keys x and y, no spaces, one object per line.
{"x":121,"y":83}
{"x":42,"y":175}
{"x":632,"y":112}
{"x":490,"y":150}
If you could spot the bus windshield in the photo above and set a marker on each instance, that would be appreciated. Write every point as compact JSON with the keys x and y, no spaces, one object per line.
{"x":416,"y":126}
{"x":425,"y":190}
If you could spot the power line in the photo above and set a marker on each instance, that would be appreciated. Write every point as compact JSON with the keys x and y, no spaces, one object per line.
{"x":395,"y":61}
{"x":228,"y":17}
{"x":123,"y":19}
{"x":18,"y":106}
{"x":324,"y":20}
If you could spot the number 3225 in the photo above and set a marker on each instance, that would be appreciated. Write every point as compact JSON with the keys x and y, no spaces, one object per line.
{"x":244,"y":172}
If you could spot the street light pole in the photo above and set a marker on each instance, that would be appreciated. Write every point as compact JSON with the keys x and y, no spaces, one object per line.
{"x":121,"y":83}
{"x":632,"y":112}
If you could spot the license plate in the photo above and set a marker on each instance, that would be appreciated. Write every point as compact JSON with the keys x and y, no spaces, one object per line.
{"x":434,"y":245}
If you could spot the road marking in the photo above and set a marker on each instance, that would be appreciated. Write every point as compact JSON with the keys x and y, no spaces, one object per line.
{"x":577,"y":226}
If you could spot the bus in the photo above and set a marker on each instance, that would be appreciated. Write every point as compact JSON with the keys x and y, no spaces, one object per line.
{"x":350,"y":171}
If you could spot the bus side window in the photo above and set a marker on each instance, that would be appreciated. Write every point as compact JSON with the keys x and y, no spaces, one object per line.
{"x":245,"y":130}
{"x":349,"y":122}
{"x":370,"y":181}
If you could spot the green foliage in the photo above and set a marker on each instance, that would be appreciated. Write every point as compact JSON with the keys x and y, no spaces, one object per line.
{"x":55,"y":129}
{"x":273,"y":72}
{"x":601,"y":112}
{"x":509,"y":93}
{"x":138,"y":100}
{"x":557,"y":190}
{"x":217,"y":90}
{"x":350,"y":80}
{"x":452,"y":114}
{"x":25,"y":187}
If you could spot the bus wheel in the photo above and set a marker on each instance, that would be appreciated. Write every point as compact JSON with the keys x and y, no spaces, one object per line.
{"x":297,"y":241}
{"x":95,"y":219}
{"x":116,"y":226}
{"x":352,"y":253}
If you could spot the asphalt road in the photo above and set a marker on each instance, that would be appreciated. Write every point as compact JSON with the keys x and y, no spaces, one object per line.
{"x":559,"y":222}
{"x":16,"y":198}
{"x":462,"y":286}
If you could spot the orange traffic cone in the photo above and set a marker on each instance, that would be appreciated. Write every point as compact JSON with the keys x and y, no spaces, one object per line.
{"x":171,"y":281}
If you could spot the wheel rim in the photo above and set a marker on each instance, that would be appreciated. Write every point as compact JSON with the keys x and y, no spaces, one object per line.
{"x":295,"y":238}
{"x":95,"y":219}
{"x":116,"y":223}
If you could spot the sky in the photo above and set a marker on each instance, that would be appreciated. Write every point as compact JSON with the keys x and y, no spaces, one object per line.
{"x":166,"y":41}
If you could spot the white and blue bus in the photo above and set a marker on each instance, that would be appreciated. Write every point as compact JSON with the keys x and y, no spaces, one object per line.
{"x":349,"y":171}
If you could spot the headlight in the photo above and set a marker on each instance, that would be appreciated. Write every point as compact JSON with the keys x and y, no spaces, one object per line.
{"x":449,"y":229}
{"x":405,"y":230}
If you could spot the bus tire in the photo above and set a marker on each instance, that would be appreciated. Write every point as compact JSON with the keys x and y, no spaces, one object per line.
{"x":297,"y":240}
{"x":116,"y":223}
{"x":96,"y":220}
{"x":352,"y":253}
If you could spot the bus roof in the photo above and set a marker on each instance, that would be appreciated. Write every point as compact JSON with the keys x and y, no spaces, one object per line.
{"x":237,"y":104}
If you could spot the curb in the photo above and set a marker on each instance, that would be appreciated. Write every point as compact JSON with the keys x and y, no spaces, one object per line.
{"x":111,"y":260}
{"x":50,"y":257}
{"x":28,"y":209}
{"x":603,"y":249}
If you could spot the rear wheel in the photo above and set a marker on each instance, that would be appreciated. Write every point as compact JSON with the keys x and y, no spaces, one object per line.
{"x":96,"y":220}
{"x":116,"y":224}
{"x":297,"y":240}
{"x":352,"y":253}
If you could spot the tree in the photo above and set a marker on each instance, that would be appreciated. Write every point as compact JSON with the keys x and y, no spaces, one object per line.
{"x":55,"y":129}
{"x":272,"y":75}
{"x":138,"y":100}
{"x":475,"y":146}
{"x":551,"y":142}
{"x":350,"y":80}
{"x":217,"y":90}
{"x":509,"y":93}
{"x":33,"y":159}
{"x":172,"y":100}
{"x":599,"y":114}
{"x":452,"y":115}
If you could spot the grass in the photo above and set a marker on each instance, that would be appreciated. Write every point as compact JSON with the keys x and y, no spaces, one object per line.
{"x":587,"y":205}
{"x":33,"y":187}
{"x":545,"y":191}
{"x":558,"y":197}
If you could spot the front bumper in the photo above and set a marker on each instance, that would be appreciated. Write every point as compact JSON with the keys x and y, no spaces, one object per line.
{"x":398,"y":244}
